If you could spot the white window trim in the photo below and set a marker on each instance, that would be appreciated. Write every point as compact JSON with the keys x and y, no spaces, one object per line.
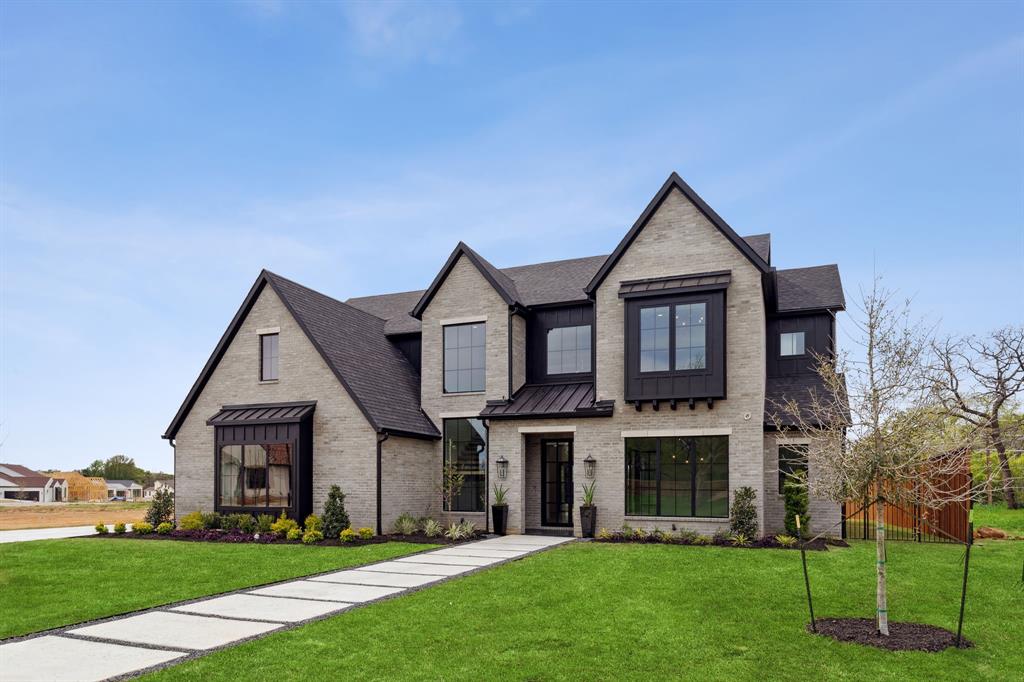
{"x":662,"y":433}
{"x":452,"y":321}
{"x":547,"y":429}
{"x":268,"y":330}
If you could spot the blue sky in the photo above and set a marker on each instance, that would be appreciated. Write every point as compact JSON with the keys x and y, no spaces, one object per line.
{"x":155,"y":156}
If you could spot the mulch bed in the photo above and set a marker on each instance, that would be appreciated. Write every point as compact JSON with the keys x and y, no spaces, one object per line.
{"x":769,"y":542}
{"x":270,"y":538}
{"x":902,"y":636}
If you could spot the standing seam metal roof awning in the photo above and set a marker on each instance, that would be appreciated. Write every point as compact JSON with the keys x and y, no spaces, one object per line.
{"x":266,"y":413}
{"x":660,"y":285}
{"x":550,"y":400}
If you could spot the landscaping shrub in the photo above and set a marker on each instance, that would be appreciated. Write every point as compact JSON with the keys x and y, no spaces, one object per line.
{"x":454,"y":532}
{"x":101,"y":528}
{"x":313,"y":522}
{"x":739,"y":540}
{"x":688,"y":536}
{"x":211,"y":520}
{"x":604,"y":534}
{"x":365,"y":533}
{"x":294,"y":534}
{"x":264,"y":522}
{"x":247,"y":524}
{"x":432,"y":528}
{"x":165,"y":528}
{"x":468,"y":529}
{"x":161,"y":509}
{"x":335,"y":517}
{"x":236,"y":521}
{"x":347,"y":535}
{"x":283,"y":524}
{"x":785,"y":540}
{"x":311,"y":537}
{"x":142,"y":528}
{"x":405,"y":525}
{"x":795,"y":494}
{"x":192,"y":521}
{"x":720,"y":537}
{"x":120,"y":528}
{"x":702,"y":540}
{"x":743,"y":514}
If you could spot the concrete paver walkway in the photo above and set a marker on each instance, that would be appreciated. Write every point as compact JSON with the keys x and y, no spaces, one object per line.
{"x":129,"y":645}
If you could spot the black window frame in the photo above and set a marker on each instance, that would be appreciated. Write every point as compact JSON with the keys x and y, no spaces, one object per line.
{"x":789,"y":465}
{"x":267,"y":508}
{"x":444,"y":358}
{"x":590,"y":352}
{"x":672,"y":303}
{"x":803,"y":334}
{"x":691,"y":445}
{"x":479,"y":502}
{"x":276,"y":357}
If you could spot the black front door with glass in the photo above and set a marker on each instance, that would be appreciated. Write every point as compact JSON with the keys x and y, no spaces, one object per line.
{"x":556,"y":482}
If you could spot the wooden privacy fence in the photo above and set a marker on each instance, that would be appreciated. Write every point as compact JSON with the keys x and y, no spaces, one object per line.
{"x":917,"y":523}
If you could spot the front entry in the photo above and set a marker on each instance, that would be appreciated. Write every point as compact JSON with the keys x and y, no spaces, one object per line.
{"x":556,"y":483}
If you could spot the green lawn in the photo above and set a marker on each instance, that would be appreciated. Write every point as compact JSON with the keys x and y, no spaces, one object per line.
{"x":49,"y":583}
{"x":998,"y":516}
{"x":609,"y":612}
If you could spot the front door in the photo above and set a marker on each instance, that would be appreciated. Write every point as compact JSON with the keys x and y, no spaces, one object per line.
{"x":556,"y":483}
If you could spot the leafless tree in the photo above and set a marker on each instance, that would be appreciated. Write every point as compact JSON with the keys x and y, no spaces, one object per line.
{"x":875,"y":434}
{"x":975,"y":379}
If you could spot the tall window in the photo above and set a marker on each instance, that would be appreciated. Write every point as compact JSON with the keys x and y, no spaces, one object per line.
{"x":256,"y":475}
{"x":465,"y":447}
{"x":687,"y":337}
{"x":569,"y":350}
{"x":677,"y":476}
{"x":792,"y":460}
{"x":464,"y":358}
{"x":791,"y":343}
{"x":268,"y":357}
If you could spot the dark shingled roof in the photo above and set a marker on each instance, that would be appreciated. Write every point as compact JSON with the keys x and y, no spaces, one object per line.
{"x":812,"y":288}
{"x":352,"y":342}
{"x":801,"y":388}
{"x":762,"y":245}
{"x":394,"y":308}
{"x":535,"y":401}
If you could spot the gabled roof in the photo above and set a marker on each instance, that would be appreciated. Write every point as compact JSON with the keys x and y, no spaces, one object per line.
{"x":17,"y":470}
{"x":501,"y":282}
{"x":675,"y":182}
{"x":352,"y":343}
{"x":762,"y":244}
{"x":814,"y":288}
{"x":122,"y":482}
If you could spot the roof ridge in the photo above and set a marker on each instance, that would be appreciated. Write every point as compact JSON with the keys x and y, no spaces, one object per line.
{"x":552,"y":262}
{"x":320,"y":293}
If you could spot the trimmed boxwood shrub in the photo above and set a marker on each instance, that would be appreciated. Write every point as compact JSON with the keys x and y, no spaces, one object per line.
{"x":101,"y":528}
{"x":120,"y":528}
{"x":191,"y":521}
{"x":165,"y":528}
{"x":347,"y":535}
{"x":311,"y":537}
{"x":142,"y":528}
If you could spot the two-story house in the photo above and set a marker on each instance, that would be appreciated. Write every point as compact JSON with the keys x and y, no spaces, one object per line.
{"x":647,"y":371}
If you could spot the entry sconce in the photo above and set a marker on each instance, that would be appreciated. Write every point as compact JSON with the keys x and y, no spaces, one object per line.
{"x":502,"y":467}
{"x":589,"y":464}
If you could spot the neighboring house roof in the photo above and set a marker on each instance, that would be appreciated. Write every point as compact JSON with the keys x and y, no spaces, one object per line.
{"x":122,"y":483}
{"x":501,"y":282}
{"x":550,"y":400}
{"x":352,"y":343}
{"x":23,"y":477}
{"x":811,"y":288}
{"x":675,"y":182}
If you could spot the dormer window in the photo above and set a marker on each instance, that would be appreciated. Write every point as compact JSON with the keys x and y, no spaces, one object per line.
{"x":268,"y":357}
{"x":791,"y":343}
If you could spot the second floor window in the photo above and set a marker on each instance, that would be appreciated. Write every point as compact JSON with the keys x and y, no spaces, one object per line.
{"x":465,"y":368}
{"x":791,"y":343}
{"x":569,"y":350}
{"x":268,"y":357}
{"x":673,"y":338}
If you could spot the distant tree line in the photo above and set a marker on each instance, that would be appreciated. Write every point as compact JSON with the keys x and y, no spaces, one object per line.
{"x":123,"y":468}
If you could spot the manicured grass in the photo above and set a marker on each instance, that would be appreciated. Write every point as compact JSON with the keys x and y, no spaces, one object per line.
{"x":610,"y":612}
{"x":998,"y":516}
{"x":49,"y":583}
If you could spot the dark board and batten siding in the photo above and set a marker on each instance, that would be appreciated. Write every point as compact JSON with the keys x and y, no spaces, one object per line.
{"x":410,"y":345}
{"x":538,"y":322}
{"x":819,"y":331}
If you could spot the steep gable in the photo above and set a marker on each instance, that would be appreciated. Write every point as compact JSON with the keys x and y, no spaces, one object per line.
{"x":501,"y":282}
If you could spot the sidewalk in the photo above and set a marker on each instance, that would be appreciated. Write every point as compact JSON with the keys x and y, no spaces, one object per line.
{"x":166,"y":635}
{"x":27,"y":534}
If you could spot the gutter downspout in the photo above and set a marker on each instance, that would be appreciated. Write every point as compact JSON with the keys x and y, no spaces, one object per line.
{"x":509,"y":396}
{"x":381,"y":437}
{"x":174,"y":457}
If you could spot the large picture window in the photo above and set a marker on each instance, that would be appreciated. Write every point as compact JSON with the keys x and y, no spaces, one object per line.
{"x":569,"y":350}
{"x":464,"y":358}
{"x":465,"y":447}
{"x":677,"y":476}
{"x":256,"y":475}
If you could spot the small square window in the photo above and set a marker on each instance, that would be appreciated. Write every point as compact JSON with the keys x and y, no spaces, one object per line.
{"x":791,"y":343}
{"x":268,"y":357}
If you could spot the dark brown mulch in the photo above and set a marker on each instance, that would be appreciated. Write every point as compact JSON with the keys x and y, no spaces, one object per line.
{"x":768,"y":542}
{"x":266,"y":538}
{"x":902,"y":636}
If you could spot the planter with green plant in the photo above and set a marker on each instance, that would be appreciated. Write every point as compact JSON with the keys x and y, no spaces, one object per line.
{"x":499,"y":510}
{"x":588,"y":511}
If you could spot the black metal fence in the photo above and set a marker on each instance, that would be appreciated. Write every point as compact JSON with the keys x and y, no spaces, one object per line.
{"x":915,"y":523}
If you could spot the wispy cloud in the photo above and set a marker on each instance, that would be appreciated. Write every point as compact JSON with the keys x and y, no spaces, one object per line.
{"x":403,"y":32}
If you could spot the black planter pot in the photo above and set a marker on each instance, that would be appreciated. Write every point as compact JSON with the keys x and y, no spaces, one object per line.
{"x":588,"y":520}
{"x":499,"y":515}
